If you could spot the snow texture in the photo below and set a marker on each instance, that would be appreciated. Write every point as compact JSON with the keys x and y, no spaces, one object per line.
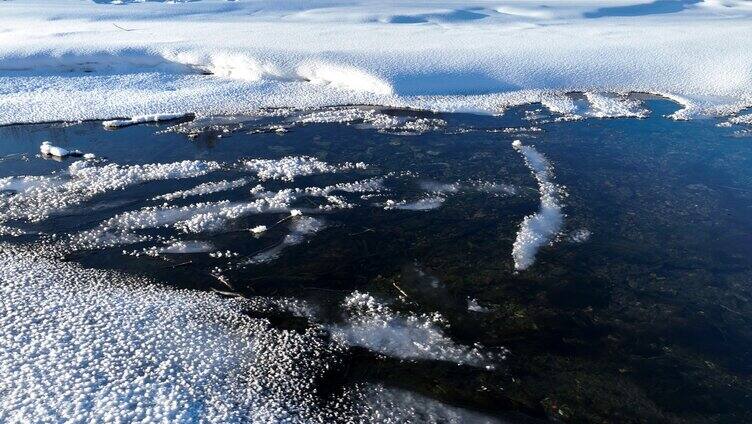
{"x":64,"y":60}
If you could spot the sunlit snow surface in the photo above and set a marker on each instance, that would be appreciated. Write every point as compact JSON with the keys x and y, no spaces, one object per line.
{"x":147,"y":61}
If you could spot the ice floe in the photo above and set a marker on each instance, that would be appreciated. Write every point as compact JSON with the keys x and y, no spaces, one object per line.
{"x":48,"y":149}
{"x":540,"y":228}
{"x":373,"y":325}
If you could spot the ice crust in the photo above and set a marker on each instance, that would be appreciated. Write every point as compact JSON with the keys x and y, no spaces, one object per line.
{"x":540,"y":228}
{"x":95,"y":60}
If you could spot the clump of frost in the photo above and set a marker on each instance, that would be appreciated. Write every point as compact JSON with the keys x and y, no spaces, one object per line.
{"x":474,"y":306}
{"x":39,"y":197}
{"x":141,"y":119}
{"x":289,"y":167}
{"x":373,"y":325}
{"x":258,"y":229}
{"x":48,"y":149}
{"x":203,"y":189}
{"x":540,"y":228}
{"x":580,"y":236}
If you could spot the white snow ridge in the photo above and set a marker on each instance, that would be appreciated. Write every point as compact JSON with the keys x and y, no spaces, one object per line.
{"x":540,"y":228}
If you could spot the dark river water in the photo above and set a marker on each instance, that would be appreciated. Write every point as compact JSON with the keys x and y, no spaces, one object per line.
{"x":634,"y":306}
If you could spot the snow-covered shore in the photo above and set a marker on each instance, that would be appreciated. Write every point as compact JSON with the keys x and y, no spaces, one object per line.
{"x":67,"y":60}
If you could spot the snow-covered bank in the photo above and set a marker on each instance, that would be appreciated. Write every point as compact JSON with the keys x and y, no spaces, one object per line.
{"x":94,"y":60}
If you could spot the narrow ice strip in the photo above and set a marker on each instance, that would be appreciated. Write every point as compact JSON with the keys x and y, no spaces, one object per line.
{"x":614,"y":106}
{"x":142,"y":119}
{"x":540,"y":228}
{"x":186,"y":247}
{"x":41,"y":196}
{"x":195,"y":218}
{"x":204,"y":189}
{"x":424,"y":204}
{"x":289,"y":167}
{"x":373,"y":325}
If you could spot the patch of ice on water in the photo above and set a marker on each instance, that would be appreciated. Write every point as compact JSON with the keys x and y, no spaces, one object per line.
{"x":440,"y":188}
{"x":423,"y":204}
{"x":203,"y":189}
{"x":300,"y":227}
{"x":540,"y":228}
{"x":373,"y":325}
{"x":580,"y":236}
{"x":259,"y":229}
{"x":194,"y":218}
{"x":474,"y":306}
{"x":48,"y":149}
{"x":41,"y":196}
{"x":142,"y":119}
{"x":614,"y":106}
{"x":495,"y":188}
{"x":289,"y":167}
{"x":188,"y":246}
{"x":392,"y":406}
{"x":179,"y":247}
